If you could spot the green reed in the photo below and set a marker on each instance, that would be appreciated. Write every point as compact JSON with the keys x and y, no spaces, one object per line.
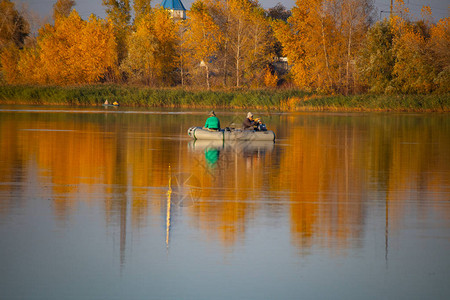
{"x":284,"y":100}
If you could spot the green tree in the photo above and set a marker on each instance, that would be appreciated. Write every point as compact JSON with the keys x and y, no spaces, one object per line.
{"x":412,"y":72}
{"x":376,"y":59}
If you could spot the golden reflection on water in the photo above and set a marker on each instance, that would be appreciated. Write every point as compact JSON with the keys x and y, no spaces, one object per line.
{"x":323,"y":170}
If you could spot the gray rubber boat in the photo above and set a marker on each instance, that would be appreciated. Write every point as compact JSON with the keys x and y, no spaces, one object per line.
{"x":229,"y":134}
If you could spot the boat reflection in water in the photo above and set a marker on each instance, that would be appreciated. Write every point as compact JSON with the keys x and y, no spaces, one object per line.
{"x":228,"y":152}
{"x":219,"y":160}
{"x":212,"y":148}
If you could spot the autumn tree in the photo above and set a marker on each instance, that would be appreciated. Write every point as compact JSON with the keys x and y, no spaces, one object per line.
{"x":401,"y":56}
{"x":418,"y":68}
{"x":119,"y":13}
{"x":278,"y":12}
{"x":29,"y":67}
{"x":152,"y":55}
{"x":13,"y":26}
{"x":220,"y":13}
{"x":245,"y":45}
{"x":306,"y":43}
{"x":62,"y":8}
{"x":261,"y":49}
{"x":412,"y":73}
{"x":319,"y":40}
{"x":239,"y":35}
{"x":9,"y":59}
{"x":183,"y":52}
{"x":439,"y":54}
{"x":356,"y":19}
{"x":203,"y":37}
{"x":376,"y":58}
{"x":141,"y":9}
{"x":73,"y":51}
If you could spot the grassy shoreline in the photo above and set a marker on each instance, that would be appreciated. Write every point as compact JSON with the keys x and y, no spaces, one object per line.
{"x":281,"y":100}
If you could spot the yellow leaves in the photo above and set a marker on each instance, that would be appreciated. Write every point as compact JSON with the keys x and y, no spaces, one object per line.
{"x":420,"y":62}
{"x":308,"y":40}
{"x":141,"y":9}
{"x":9,"y":58}
{"x":76,"y":51}
{"x":204,"y":36}
{"x":30,"y":67}
{"x":151,"y":54}
{"x":400,"y":56}
{"x":270,"y":79}
{"x":439,"y":45}
{"x":425,"y":12}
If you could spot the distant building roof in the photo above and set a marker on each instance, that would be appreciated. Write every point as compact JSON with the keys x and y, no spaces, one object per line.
{"x":173,"y":4}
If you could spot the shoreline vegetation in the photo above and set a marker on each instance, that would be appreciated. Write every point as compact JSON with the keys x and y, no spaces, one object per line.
{"x":264,"y":99}
{"x":231,"y":54}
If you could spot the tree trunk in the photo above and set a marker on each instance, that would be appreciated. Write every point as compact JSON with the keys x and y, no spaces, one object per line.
{"x":207,"y":77}
{"x":326,"y":54}
{"x":238,"y":52}
{"x":348,"y":61}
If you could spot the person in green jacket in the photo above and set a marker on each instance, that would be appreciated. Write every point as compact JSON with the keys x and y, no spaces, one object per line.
{"x":212,"y":123}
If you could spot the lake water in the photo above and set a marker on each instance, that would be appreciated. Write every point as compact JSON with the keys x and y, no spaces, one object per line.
{"x":116,"y":203}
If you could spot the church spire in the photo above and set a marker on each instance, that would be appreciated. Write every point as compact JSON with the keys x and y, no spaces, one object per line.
{"x":176,"y":8}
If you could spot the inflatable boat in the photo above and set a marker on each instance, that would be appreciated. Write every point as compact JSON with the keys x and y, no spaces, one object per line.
{"x":230,"y":134}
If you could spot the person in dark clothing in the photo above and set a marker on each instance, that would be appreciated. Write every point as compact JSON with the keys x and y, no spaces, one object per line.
{"x":249,"y":123}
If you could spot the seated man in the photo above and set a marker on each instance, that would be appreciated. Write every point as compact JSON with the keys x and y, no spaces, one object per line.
{"x":249,"y":123}
{"x":212,"y":123}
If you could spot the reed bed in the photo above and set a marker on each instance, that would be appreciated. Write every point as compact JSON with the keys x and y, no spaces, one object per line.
{"x":282,"y":100}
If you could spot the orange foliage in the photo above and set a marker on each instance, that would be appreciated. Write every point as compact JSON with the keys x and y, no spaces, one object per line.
{"x":270,"y":80}
{"x":76,"y":51}
{"x":8,"y":62}
{"x":319,"y":40}
{"x":203,"y":37}
{"x":439,"y":45}
{"x":152,"y":52}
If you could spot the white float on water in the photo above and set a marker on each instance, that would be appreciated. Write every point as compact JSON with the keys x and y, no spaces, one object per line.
{"x":229,"y":134}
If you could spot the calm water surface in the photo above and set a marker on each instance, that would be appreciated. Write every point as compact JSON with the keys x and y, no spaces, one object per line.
{"x":120,"y":204}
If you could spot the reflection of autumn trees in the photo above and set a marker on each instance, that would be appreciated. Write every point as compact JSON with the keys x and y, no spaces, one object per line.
{"x":326,"y":184}
{"x":322,"y":170}
{"x":334,"y":165}
{"x":231,"y":191}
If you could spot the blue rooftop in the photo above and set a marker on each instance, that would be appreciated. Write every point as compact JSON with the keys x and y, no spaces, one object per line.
{"x":173,"y":4}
